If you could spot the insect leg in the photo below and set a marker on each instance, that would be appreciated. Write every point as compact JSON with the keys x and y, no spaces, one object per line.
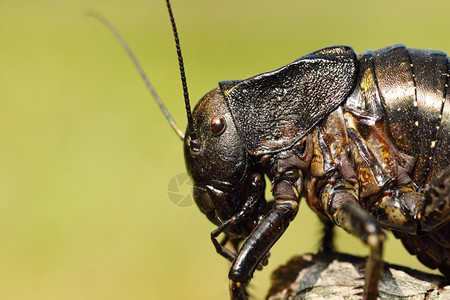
{"x":220,"y":246}
{"x":266,"y":233}
{"x":354,"y":219}
{"x":254,"y":249}
{"x":327,"y":243}
{"x":346,"y":212}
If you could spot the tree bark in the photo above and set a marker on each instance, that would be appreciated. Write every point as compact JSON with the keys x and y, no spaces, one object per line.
{"x":340,"y":276}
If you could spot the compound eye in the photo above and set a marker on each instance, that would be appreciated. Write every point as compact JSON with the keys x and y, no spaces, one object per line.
{"x":218,"y":125}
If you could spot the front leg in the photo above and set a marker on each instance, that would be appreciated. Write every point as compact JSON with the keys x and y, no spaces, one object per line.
{"x":265,"y":234}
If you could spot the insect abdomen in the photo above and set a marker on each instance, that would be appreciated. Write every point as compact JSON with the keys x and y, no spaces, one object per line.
{"x":407,"y":92}
{"x":413,"y":87}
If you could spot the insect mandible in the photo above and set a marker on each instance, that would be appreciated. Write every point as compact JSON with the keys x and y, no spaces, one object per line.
{"x":365,"y":139}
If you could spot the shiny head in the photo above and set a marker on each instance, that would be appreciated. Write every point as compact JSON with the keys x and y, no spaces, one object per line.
{"x":220,"y":165}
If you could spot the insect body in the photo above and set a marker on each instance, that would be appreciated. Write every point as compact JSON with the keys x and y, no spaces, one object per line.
{"x":366,"y":140}
{"x":361,"y":138}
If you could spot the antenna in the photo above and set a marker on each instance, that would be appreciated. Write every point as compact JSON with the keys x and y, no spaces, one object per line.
{"x":140,"y":70}
{"x":195,"y":146}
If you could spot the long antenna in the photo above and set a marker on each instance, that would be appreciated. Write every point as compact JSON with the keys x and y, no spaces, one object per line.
{"x":194,"y":141}
{"x":140,"y":70}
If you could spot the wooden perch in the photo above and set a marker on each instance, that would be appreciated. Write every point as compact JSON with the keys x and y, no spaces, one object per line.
{"x":339,"y":276}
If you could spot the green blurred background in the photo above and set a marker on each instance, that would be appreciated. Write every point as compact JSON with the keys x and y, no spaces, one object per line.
{"x":86,"y":157}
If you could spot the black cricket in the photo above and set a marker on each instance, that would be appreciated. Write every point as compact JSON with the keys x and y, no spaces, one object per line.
{"x":365,"y":139}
